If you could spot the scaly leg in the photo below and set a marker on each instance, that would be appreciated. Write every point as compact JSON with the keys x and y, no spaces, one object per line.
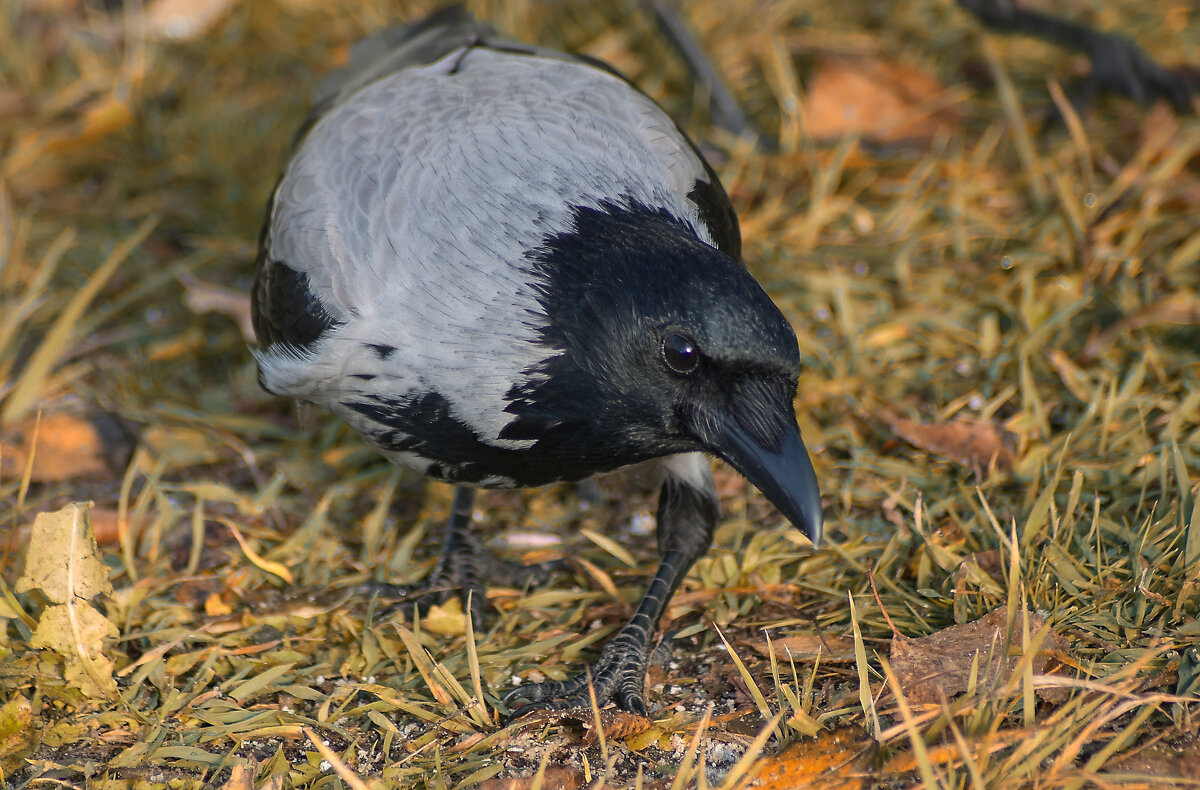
{"x":687,"y":513}
{"x":465,"y":567}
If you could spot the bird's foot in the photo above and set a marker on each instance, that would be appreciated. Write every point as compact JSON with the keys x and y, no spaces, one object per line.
{"x":1121,"y":66}
{"x":466,"y":571}
{"x":618,"y":676}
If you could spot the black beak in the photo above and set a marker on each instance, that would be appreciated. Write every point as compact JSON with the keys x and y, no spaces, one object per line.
{"x":785,"y":474}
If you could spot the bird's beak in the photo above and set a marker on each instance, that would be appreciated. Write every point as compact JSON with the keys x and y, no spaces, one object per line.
{"x":784,"y":474}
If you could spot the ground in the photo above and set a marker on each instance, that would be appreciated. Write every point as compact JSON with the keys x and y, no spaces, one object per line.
{"x":998,"y":320}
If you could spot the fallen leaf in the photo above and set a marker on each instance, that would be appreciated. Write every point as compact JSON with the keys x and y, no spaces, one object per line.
{"x":836,"y":760}
{"x":64,"y":447}
{"x":445,"y":619}
{"x":216,"y":606}
{"x":806,"y":647}
{"x":616,"y":723}
{"x":64,"y":733}
{"x":555,"y":778}
{"x":978,"y":568}
{"x":63,"y":560}
{"x":241,"y":777}
{"x":79,"y":634}
{"x":106,"y":116}
{"x":106,"y":525}
{"x":179,"y":447}
{"x":940,"y":664}
{"x":879,"y":99}
{"x":98,"y":118}
{"x":975,"y":444}
{"x":16,"y":733}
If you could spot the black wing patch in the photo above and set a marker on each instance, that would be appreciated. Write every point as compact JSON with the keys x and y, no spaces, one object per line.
{"x":717,"y":214}
{"x":283,"y":307}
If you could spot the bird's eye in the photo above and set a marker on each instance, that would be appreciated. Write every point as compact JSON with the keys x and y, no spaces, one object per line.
{"x":679,"y":352}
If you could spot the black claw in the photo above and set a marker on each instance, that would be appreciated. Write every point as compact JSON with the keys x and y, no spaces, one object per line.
{"x":632,"y":703}
{"x":462,"y":569}
{"x":619,"y":676}
{"x":1118,"y":64}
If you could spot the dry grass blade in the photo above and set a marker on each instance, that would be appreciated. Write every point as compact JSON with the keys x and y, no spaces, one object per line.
{"x":25,"y":393}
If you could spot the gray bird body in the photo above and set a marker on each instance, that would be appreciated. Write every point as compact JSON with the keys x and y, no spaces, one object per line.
{"x":379,"y":209}
{"x":506,"y":266}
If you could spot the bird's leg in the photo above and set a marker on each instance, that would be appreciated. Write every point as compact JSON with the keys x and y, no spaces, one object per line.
{"x":1118,"y":64}
{"x":461,"y":564}
{"x":725,"y":110}
{"x":464,"y":566}
{"x":687,"y":513}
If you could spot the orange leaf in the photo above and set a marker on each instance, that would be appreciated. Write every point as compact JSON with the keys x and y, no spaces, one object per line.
{"x":834,"y":761}
{"x":67,"y":448}
{"x":876,"y":98}
{"x":973,"y":443}
{"x":940,"y":663}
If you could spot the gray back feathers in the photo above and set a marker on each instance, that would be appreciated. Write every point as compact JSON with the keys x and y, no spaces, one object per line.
{"x":414,"y":200}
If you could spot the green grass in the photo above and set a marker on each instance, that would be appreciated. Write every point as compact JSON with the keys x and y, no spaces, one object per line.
{"x":1044,"y":281}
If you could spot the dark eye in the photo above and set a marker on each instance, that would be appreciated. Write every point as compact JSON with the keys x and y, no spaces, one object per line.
{"x":679,"y":352}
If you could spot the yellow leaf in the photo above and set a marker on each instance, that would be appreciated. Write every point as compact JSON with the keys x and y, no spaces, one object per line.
{"x":16,"y":732}
{"x":446,"y":619}
{"x":215,"y":606}
{"x":63,"y":560}
{"x":277,"y":568}
{"x":77,"y":632}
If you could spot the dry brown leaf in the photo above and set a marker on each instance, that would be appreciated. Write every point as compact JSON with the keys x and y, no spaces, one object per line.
{"x":555,"y":778}
{"x":616,"y":723}
{"x":879,"y":99}
{"x":975,"y":444}
{"x":241,"y":777}
{"x":99,"y":118}
{"x":989,"y":563}
{"x":940,"y":664}
{"x":834,"y":761}
{"x":106,"y":525}
{"x":64,"y":447}
{"x":805,"y":647}
{"x":216,"y":606}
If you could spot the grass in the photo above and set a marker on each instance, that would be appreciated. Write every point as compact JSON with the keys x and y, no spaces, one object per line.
{"x":1044,"y":282}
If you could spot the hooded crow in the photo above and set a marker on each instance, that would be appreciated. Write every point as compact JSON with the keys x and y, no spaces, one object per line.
{"x":505,"y":266}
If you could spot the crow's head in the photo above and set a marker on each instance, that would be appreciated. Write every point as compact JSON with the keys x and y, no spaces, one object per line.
{"x":657,"y":343}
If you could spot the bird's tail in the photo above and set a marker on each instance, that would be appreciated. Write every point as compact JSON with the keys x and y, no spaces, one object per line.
{"x":399,"y":47}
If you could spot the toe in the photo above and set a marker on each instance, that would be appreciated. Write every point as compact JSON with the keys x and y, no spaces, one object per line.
{"x":630,"y":700}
